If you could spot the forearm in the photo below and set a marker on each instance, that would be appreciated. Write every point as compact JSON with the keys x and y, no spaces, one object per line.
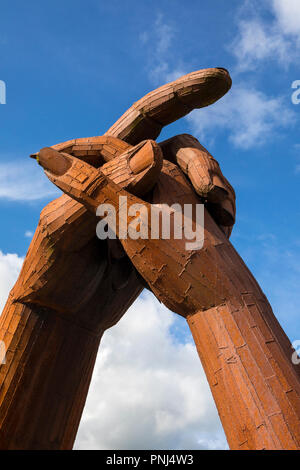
{"x":248,"y":362}
{"x":146,"y":118}
{"x":49,"y":363}
{"x":245,"y":353}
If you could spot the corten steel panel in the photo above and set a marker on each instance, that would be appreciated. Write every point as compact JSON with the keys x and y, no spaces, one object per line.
{"x":73,"y":287}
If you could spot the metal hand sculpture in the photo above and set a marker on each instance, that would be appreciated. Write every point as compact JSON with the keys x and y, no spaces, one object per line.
{"x":73,"y":286}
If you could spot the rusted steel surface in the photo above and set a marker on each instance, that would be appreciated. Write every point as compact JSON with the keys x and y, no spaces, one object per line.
{"x":73,"y":286}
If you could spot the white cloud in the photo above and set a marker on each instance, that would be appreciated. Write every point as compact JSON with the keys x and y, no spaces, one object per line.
{"x":28,"y":234}
{"x":162,"y":67}
{"x":24,"y":181}
{"x":149,"y":391}
{"x":261,"y":39}
{"x":10,"y":265}
{"x":288,"y":15}
{"x":249,"y":116}
{"x":258,"y":41}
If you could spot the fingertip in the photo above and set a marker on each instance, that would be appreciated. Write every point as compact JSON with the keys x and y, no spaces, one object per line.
{"x":53,"y":161}
{"x":147,"y":155}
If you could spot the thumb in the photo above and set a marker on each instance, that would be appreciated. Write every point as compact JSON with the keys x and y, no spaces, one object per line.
{"x":136,"y":170}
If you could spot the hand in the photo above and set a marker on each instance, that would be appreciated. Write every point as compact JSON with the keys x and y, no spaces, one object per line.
{"x":183,"y":280}
{"x":67,"y":268}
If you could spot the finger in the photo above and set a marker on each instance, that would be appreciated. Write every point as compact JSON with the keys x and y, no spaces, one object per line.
{"x":93,"y":150}
{"x":68,"y":223}
{"x":146,"y":118}
{"x":224,"y":213}
{"x":136,"y":170}
{"x":196,"y":162}
{"x":224,"y":210}
{"x":205,"y":174}
{"x":229,"y":206}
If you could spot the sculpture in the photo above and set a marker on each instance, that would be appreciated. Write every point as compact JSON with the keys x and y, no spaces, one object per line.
{"x":73,"y":286}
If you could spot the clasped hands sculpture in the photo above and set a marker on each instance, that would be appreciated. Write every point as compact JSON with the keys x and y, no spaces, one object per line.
{"x":73,"y":286}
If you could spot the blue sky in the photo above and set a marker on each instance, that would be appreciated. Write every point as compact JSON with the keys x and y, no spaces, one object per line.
{"x":72,"y":68}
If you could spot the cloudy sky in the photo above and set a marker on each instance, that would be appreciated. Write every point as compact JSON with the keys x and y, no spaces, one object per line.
{"x":71,"y":69}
